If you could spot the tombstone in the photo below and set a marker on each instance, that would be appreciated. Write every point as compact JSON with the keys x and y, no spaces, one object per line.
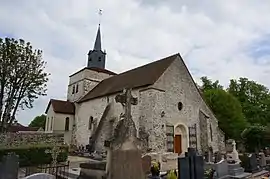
{"x":10,"y":167}
{"x":146,"y":164}
{"x":191,"y":166}
{"x":90,"y":146}
{"x":262,"y":160}
{"x":123,"y":149}
{"x":40,"y":176}
{"x":232,"y":154}
{"x":221,"y":169}
{"x":210,"y":155}
{"x":250,"y":163}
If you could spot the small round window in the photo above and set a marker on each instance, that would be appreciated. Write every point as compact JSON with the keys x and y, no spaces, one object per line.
{"x":180,"y":106}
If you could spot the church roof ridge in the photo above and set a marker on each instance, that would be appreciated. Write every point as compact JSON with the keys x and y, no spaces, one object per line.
{"x":141,"y":76}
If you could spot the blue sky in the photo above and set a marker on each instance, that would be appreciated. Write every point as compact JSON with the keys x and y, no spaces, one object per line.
{"x":219,"y":39}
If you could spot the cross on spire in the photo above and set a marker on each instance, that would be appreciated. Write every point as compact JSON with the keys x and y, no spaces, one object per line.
{"x":100,"y":14}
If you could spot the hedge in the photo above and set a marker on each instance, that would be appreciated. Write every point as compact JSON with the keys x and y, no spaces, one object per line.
{"x":35,"y":155}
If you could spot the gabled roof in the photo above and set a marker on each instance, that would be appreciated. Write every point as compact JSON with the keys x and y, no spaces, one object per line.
{"x":99,"y":70}
{"x":138,"y":77}
{"x":60,"y":106}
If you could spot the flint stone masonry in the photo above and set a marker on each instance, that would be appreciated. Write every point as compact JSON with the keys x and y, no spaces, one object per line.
{"x":11,"y":140}
{"x":86,"y":80}
{"x":174,"y":86}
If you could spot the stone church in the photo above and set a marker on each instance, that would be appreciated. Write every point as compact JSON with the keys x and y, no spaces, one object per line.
{"x":170,"y":116}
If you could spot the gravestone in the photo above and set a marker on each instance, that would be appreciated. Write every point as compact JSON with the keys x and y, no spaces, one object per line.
{"x":251,"y":165}
{"x":262,"y":160}
{"x":123,"y":147}
{"x":191,"y":166}
{"x":210,"y":154}
{"x":232,"y":154}
{"x":221,"y":169}
{"x":10,"y":167}
{"x":146,"y":164}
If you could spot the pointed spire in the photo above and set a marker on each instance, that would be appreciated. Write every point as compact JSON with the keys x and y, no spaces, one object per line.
{"x":97,"y":45}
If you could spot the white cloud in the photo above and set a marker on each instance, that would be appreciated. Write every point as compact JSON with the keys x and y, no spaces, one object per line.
{"x":214,"y":37}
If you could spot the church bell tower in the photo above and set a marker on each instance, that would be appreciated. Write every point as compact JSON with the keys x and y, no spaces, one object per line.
{"x":97,"y":57}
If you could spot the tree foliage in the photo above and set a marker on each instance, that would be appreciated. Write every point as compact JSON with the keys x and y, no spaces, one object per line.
{"x":22,"y":78}
{"x":243,"y":110}
{"x":207,"y":84}
{"x":228,"y":111}
{"x":254,"y":98}
{"x":255,"y":137}
{"x":38,"y":121}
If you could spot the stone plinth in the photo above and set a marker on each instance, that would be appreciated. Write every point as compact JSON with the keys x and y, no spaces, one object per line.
{"x":236,"y":171}
{"x":93,"y":170}
{"x":126,"y":164}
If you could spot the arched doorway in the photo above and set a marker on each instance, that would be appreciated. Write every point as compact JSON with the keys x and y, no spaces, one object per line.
{"x":180,"y":139}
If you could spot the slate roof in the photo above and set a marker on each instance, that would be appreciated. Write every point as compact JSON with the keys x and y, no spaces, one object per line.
{"x":99,"y":70}
{"x":138,"y":77}
{"x":60,"y":106}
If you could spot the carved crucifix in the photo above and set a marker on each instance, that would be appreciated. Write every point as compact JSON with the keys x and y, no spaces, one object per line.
{"x":55,"y":151}
{"x":126,"y":100}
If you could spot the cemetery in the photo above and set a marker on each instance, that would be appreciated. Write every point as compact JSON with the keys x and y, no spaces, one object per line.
{"x":36,"y":155}
{"x":151,"y":122}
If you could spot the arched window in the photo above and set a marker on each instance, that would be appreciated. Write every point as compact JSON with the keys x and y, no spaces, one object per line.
{"x":52,"y":124}
{"x":67,"y":124}
{"x":211,"y":133}
{"x":91,"y":120}
{"x":77,"y":88}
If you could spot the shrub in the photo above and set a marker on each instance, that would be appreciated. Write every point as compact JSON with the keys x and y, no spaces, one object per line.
{"x":36,"y":155}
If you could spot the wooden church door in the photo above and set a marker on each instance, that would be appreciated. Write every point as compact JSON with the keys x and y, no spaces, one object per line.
{"x":178,"y":144}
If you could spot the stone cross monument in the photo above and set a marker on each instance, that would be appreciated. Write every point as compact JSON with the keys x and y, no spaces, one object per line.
{"x":232,"y":155}
{"x":55,"y":151}
{"x":124,"y":151}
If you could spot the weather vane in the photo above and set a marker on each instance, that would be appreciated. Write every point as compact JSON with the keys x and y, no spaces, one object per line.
{"x":100,"y":14}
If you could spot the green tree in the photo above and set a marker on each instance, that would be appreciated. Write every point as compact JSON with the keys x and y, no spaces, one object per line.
{"x":255,"y":137}
{"x":254,"y":99}
{"x":38,"y":121}
{"x":207,"y":84}
{"x":228,"y":111}
{"x":22,"y":78}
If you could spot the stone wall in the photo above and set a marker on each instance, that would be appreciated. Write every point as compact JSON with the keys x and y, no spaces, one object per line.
{"x":180,"y":87}
{"x":86,"y":80}
{"x":14,"y":140}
